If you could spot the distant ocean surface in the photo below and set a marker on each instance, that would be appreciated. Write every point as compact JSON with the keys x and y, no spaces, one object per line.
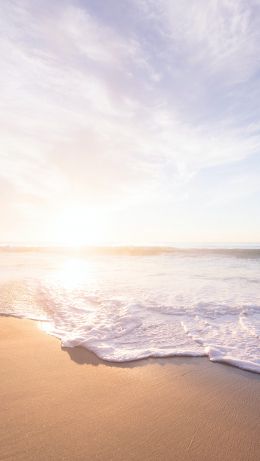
{"x":128,"y":303}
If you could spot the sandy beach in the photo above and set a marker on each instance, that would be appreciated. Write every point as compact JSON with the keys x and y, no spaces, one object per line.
{"x":69,"y":405}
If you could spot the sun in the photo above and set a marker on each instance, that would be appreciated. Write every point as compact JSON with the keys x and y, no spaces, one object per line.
{"x":77,"y":226}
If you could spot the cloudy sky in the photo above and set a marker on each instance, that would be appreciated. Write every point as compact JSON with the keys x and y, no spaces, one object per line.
{"x":130,"y":121}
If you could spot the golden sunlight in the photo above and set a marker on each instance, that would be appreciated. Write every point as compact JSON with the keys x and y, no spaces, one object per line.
{"x":74,"y":272}
{"x":76,"y":226}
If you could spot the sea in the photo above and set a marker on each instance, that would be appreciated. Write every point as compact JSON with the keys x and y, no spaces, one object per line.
{"x":127,"y":303}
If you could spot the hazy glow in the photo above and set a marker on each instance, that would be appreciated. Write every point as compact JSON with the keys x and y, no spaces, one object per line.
{"x":134,"y":121}
{"x":73,"y":273}
{"x":77,"y":226}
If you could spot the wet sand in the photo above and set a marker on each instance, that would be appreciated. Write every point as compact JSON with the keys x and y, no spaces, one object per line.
{"x":68,"y":405}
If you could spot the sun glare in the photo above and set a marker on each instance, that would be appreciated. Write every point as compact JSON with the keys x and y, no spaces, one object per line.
{"x":74,"y":272}
{"x":77,"y":226}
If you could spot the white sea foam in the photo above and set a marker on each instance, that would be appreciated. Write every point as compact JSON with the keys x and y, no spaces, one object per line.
{"x":148,"y":304}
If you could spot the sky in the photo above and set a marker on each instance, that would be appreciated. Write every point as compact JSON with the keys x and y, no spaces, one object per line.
{"x":129,"y":121}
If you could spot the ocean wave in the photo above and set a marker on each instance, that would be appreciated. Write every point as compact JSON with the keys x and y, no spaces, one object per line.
{"x":135,"y":250}
{"x":125,"y":308}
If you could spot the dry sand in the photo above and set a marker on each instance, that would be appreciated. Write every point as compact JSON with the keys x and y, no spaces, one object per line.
{"x":68,"y":405}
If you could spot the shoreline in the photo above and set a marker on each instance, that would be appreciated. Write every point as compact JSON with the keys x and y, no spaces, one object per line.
{"x":67,"y":404}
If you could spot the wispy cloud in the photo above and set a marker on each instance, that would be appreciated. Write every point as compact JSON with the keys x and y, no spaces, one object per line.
{"x":122,"y":114}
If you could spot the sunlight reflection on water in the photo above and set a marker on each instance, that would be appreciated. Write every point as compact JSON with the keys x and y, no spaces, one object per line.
{"x":73,"y":273}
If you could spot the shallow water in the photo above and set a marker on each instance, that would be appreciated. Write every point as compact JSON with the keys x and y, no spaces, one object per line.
{"x":127,"y":304}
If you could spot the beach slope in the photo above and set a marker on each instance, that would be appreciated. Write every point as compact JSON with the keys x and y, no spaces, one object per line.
{"x":68,"y":405}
